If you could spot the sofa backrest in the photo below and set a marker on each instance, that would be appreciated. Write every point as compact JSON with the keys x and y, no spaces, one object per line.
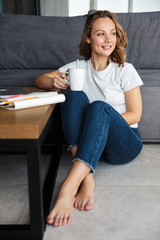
{"x":41,"y":42}
{"x":143,"y":32}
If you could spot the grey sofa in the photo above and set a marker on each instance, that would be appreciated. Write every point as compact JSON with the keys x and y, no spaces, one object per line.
{"x":32,"y":45}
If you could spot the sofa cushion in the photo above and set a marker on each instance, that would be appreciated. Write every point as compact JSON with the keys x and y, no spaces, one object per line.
{"x":149,"y":125}
{"x":143,"y":34}
{"x":39,"y":41}
{"x":20,"y":77}
{"x":150,"y":77}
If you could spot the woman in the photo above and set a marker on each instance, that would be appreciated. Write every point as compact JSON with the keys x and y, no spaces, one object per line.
{"x":102,"y":120}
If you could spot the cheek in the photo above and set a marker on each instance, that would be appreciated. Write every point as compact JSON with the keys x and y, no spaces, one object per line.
{"x":97,"y":41}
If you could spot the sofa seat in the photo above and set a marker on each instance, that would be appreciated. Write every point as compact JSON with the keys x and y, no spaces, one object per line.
{"x":150,"y":77}
{"x":20,"y":77}
{"x":149,"y":125}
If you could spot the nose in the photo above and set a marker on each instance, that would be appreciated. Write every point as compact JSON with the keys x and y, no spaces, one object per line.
{"x":107,"y":38}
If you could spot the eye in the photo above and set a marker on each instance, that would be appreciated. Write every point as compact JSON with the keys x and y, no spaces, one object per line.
{"x":113,"y":33}
{"x":100,"y":34}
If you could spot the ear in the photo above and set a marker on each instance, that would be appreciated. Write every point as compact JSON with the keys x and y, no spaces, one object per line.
{"x":88,"y":40}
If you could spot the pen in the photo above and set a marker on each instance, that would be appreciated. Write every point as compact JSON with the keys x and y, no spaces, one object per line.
{"x":8,"y":102}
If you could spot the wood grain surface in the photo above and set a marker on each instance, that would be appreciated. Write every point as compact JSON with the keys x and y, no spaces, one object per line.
{"x":26,"y":123}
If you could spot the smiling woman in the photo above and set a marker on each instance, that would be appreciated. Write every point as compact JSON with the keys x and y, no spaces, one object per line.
{"x":101,"y":121}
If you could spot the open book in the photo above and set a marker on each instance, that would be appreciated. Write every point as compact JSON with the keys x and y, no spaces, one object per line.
{"x":30,"y":100}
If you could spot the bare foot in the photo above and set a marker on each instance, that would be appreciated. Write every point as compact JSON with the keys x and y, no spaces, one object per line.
{"x":85,"y":197}
{"x":62,"y":212}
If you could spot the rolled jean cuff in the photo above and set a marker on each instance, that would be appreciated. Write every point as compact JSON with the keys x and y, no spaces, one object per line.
{"x":70,"y":146}
{"x":92,"y":169}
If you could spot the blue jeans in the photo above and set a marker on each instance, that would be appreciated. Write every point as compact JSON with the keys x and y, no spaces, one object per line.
{"x":98,"y":131}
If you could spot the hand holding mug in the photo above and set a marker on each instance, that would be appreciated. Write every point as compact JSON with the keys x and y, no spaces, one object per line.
{"x":60,"y":80}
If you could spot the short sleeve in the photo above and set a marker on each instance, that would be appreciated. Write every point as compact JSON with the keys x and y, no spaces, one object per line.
{"x":69,"y":65}
{"x":76,"y":64}
{"x":129,"y":78}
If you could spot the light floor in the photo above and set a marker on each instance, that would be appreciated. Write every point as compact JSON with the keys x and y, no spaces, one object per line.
{"x":127,"y":198}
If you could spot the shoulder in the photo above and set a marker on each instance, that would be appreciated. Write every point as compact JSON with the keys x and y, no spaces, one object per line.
{"x":74,"y":64}
{"x":123,"y":68}
{"x":127,"y":70}
{"x":129,"y":77}
{"x":128,"y":67}
{"x":82,"y":63}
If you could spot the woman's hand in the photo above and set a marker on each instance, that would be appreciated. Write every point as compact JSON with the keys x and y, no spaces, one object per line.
{"x":59,"y":80}
{"x":51,"y":80}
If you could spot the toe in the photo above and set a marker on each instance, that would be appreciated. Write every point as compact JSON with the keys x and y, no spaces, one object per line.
{"x":69,"y":219}
{"x":50,"y":220}
{"x":89,"y":205}
{"x":79,"y":205}
{"x":56,"y":221}
{"x":65,"y":220}
{"x":82,"y":205}
{"x":76,"y":203}
{"x":60,"y":221}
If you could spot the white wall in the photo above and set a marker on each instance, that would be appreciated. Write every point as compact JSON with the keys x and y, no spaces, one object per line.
{"x":78,"y":7}
{"x":113,"y":5}
{"x":64,"y":7}
{"x":54,"y":7}
{"x":145,"y":5}
{"x":127,"y":5}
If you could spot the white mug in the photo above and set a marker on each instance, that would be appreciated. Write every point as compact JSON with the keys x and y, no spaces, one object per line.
{"x":76,"y":78}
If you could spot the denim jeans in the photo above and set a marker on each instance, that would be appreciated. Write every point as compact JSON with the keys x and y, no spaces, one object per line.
{"x":98,"y":131}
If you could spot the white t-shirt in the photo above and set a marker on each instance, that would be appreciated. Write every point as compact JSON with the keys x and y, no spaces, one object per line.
{"x":108,"y":85}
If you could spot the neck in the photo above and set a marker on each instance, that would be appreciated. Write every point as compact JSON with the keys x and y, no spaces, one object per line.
{"x":99,"y":64}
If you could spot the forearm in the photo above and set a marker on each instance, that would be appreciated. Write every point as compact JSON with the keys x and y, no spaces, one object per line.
{"x":44,"y":82}
{"x":131,"y":118}
{"x":133,"y":105}
{"x":51,"y":80}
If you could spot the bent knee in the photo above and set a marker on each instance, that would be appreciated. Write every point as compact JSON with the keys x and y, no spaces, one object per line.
{"x":124,"y":158}
{"x":99,"y":105}
{"x":75,"y":94}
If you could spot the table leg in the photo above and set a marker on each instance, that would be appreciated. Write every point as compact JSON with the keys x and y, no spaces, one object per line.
{"x":35,"y":190}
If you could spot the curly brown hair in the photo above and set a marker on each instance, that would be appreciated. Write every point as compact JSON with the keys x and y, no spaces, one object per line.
{"x":119,"y":53}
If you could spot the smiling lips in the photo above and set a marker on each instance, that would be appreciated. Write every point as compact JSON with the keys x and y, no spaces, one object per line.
{"x":106,"y":47}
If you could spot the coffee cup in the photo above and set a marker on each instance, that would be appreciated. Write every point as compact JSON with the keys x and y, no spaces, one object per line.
{"x":76,"y":77}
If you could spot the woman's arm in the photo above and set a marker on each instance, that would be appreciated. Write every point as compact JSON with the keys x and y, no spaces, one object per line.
{"x":51,"y":80}
{"x":134,"y":106}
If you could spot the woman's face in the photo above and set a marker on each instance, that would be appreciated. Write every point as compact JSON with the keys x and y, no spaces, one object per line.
{"x":103,"y":37}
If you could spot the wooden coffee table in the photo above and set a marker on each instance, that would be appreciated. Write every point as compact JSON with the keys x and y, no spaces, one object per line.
{"x":24,"y":131}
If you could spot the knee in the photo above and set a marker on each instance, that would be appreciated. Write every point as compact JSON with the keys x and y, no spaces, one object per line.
{"x":75,"y":100}
{"x":128,"y":156}
{"x":119,"y":161}
{"x":76,"y":95}
{"x":99,"y":106}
